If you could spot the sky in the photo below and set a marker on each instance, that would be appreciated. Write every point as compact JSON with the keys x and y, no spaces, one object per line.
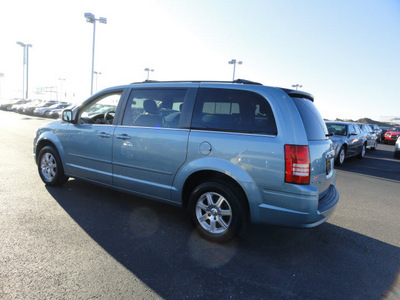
{"x":344,"y":52}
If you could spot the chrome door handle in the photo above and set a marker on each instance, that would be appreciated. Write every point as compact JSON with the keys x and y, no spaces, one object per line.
{"x":104,"y":135}
{"x":123,"y":136}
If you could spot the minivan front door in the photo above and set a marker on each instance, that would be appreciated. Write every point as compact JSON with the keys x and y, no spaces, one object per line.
{"x":88,"y":144}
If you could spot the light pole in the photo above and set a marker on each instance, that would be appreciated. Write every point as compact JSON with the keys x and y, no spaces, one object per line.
{"x":90,"y":18}
{"x":97,"y":74}
{"x":25,"y":62}
{"x":61,"y":89}
{"x":297,"y":86}
{"x":148,"y":72}
{"x":1,"y":76}
{"x":234,"y":62}
{"x":27,"y":69}
{"x":23,"y":67}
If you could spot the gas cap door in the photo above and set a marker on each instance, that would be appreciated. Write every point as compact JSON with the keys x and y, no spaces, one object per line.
{"x":205,"y":148}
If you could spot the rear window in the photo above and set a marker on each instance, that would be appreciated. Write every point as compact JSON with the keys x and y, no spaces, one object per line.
{"x":312,"y":120}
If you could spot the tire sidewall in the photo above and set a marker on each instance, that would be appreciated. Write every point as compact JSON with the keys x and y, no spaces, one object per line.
{"x":339,"y":161}
{"x":363,"y":151}
{"x":231,"y":197}
{"x":59,"y":178}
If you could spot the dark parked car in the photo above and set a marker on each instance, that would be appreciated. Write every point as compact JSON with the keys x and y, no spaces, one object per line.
{"x":348,"y":140}
{"x":378,"y":132}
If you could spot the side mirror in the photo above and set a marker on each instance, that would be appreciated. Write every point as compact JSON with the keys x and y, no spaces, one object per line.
{"x":67,"y":116}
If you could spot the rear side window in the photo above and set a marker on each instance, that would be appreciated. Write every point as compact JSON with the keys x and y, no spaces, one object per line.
{"x":358,"y":130}
{"x":233,"y":111}
{"x":312,"y":120}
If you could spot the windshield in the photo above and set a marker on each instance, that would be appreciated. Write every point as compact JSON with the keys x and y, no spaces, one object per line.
{"x":337,"y":129}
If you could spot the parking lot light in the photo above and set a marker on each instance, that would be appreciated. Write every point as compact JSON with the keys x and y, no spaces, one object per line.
{"x":297,"y":86}
{"x":90,"y":18}
{"x":148,"y":72}
{"x":25,"y":62}
{"x":234,"y":62}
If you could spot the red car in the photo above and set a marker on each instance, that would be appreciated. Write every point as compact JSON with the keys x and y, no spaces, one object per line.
{"x":392,"y":134}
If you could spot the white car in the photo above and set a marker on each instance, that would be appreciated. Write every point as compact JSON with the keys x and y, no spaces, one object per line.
{"x":397,"y":148}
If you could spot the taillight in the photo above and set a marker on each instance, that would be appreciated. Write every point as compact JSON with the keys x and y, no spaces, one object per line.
{"x":297,"y":164}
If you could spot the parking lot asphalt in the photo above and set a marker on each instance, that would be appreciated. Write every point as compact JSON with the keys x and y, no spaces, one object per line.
{"x":81,"y":241}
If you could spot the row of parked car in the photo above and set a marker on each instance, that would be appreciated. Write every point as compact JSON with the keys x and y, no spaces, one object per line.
{"x":352,"y":139}
{"x":40,"y":108}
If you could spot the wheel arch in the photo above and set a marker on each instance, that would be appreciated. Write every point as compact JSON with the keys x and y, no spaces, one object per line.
{"x":47,"y":140}
{"x":223,"y":171}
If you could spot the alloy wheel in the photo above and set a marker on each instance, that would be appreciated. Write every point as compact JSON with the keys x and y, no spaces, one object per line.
{"x":213,"y":212}
{"x":48,"y":166}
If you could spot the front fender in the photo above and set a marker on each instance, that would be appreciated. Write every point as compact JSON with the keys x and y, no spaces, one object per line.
{"x":45,"y":138}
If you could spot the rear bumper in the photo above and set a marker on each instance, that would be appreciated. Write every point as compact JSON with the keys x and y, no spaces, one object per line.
{"x":313,"y":212}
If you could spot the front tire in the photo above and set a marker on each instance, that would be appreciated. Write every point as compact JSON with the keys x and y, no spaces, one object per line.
{"x":217,"y":211}
{"x":50,"y":167}
{"x":341,"y":156}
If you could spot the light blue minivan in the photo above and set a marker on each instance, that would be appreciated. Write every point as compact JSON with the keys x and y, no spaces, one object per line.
{"x":229,"y":152}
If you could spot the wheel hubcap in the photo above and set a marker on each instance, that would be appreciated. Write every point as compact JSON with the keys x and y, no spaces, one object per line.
{"x":213,"y":212}
{"x":48,"y":166}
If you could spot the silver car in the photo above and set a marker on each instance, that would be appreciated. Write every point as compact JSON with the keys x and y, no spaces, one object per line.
{"x":348,"y":140}
{"x":372,"y":139}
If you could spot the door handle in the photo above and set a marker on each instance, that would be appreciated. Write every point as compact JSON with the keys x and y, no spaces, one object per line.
{"x":104,"y":135}
{"x":123,"y":136}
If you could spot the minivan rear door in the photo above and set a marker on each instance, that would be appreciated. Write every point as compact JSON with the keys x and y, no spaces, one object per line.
{"x":320,"y":146}
{"x":151,"y":144}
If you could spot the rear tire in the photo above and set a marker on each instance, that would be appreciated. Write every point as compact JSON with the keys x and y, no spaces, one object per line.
{"x":217,"y":211}
{"x":362,"y":153}
{"x":50,"y":168}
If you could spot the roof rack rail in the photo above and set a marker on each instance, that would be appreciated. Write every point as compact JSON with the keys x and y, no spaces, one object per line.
{"x":244,"y":81}
{"x":240,"y":81}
